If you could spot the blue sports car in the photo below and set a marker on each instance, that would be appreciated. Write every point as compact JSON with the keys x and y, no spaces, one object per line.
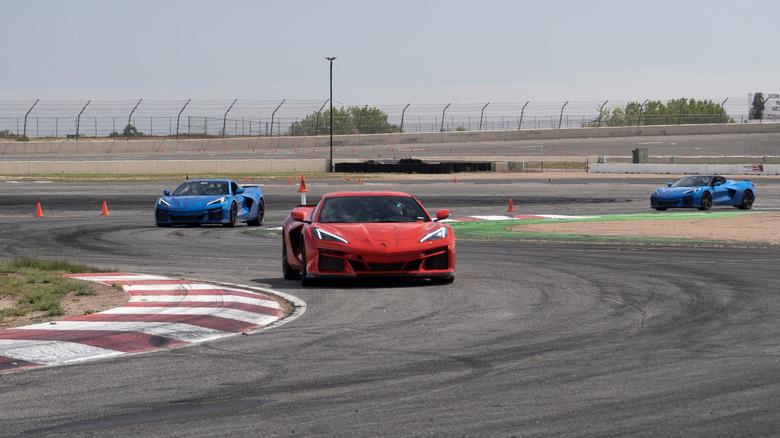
{"x":210,"y":201}
{"x":704,"y":191}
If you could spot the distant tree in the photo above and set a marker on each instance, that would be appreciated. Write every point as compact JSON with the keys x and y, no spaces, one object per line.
{"x":353,"y":120}
{"x":11,"y":136}
{"x":674,"y":112}
{"x":129,"y":131}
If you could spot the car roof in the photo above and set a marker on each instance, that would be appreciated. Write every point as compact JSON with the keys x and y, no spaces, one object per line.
{"x":371,"y":193}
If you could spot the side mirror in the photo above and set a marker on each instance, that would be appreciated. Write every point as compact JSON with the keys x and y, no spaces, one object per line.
{"x":240,"y":191}
{"x":442,"y":214}
{"x":166,"y":192}
{"x":668,"y":184}
{"x":297,"y":216}
{"x":716,"y":183}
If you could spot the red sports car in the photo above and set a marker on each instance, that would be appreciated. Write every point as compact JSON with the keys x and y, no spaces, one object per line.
{"x":356,"y":234}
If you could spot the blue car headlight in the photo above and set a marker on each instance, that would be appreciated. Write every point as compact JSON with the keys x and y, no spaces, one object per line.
{"x":688,"y":192}
{"x":440,"y":233}
{"x":220,"y":200}
{"x":327,"y":236}
{"x":162,"y":201}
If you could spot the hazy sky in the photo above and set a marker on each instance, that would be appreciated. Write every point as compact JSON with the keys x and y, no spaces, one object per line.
{"x":388,"y":52}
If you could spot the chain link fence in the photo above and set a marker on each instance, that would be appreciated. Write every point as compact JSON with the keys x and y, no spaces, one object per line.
{"x":94,"y":118}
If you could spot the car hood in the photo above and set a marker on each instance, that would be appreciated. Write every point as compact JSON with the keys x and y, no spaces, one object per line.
{"x":674,"y":191}
{"x":188,"y":202}
{"x":383,"y":235}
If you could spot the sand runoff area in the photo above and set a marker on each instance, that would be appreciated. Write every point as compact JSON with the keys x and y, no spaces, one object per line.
{"x":755,"y":227}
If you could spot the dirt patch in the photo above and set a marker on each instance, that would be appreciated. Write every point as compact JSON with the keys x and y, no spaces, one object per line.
{"x":755,"y":227}
{"x":106,"y":297}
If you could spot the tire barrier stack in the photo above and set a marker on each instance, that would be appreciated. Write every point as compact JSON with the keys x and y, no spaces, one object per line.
{"x":410,"y":165}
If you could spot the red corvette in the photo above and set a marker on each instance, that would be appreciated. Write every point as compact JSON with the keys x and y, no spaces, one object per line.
{"x":357,"y":234}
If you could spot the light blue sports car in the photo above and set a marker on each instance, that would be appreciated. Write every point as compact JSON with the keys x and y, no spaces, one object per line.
{"x":210,"y":201}
{"x":704,"y":191}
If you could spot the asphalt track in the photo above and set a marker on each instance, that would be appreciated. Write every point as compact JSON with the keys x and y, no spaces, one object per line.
{"x":534,"y":338}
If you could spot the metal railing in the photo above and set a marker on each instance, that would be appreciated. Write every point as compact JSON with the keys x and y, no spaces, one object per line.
{"x":236,"y":117}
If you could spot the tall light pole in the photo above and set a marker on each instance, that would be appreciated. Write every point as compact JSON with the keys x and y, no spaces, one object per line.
{"x":331,"y":58}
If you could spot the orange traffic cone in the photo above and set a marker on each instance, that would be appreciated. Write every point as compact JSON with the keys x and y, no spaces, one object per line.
{"x":511,"y":207}
{"x":456,"y":179}
{"x":38,"y":212}
{"x":289,"y":181}
{"x":105,"y":210}
{"x":359,"y":182}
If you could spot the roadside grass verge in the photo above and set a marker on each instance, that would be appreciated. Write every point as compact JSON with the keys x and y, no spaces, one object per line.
{"x":500,"y":229}
{"x":34,"y":286}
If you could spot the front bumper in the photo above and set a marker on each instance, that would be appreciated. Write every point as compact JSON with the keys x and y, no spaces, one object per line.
{"x":210,"y":216}
{"x":438,"y":262}
{"x":676,"y":202}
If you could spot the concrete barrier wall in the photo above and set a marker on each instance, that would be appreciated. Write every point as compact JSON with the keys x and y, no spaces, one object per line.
{"x":684,"y":169}
{"x":72,"y":146}
{"x":160,"y":167}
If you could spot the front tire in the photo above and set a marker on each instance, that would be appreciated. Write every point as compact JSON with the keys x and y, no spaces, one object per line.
{"x":304,"y":281}
{"x":287,"y":271}
{"x":747,"y":200}
{"x":233,"y":216}
{"x":257,"y":221}
{"x":706,"y":201}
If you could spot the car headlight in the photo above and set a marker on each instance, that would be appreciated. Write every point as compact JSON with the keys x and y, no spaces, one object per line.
{"x":219,"y":200}
{"x":162,"y":201}
{"x":657,"y":192}
{"x":687,"y":192}
{"x":326,"y":236}
{"x":440,"y":233}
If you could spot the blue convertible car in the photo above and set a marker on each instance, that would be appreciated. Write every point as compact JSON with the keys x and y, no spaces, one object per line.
{"x":210,"y":201}
{"x":704,"y":191}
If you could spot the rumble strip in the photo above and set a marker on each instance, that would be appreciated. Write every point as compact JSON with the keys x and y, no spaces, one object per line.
{"x":162,"y":313}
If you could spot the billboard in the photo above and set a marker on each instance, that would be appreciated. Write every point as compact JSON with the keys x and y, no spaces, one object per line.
{"x":764,"y":106}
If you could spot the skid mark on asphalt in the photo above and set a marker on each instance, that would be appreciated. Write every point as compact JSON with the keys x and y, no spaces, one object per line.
{"x":162,"y":313}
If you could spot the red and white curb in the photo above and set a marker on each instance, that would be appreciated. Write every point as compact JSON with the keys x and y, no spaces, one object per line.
{"x":162,"y":312}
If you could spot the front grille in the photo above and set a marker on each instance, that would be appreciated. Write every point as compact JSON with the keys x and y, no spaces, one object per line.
{"x":215,"y":215}
{"x":385,"y":267}
{"x":197,"y":217}
{"x":162,"y":216}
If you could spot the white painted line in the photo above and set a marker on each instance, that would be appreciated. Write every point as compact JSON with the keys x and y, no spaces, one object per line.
{"x":173,"y":330}
{"x":238,"y":315}
{"x":205,"y":299}
{"x":52,"y":352}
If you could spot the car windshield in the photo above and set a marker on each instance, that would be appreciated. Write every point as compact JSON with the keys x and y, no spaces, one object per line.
{"x":202,"y":188}
{"x":693,"y":181}
{"x":361,"y":209}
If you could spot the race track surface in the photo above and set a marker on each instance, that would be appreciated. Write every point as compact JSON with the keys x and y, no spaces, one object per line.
{"x":534,"y":338}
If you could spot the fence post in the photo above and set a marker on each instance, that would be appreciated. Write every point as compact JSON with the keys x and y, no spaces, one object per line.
{"x":24,"y":133}
{"x":482,"y":114}
{"x":561,"y":119}
{"x":131,"y":112}
{"x":520,"y":122}
{"x":178,"y":118}
{"x":272,"y":118}
{"x":601,"y":112}
{"x":317,"y":120}
{"x":224,"y":120}
{"x":401,"y":128}
{"x":78,"y":119}
{"x":442,"y":117}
